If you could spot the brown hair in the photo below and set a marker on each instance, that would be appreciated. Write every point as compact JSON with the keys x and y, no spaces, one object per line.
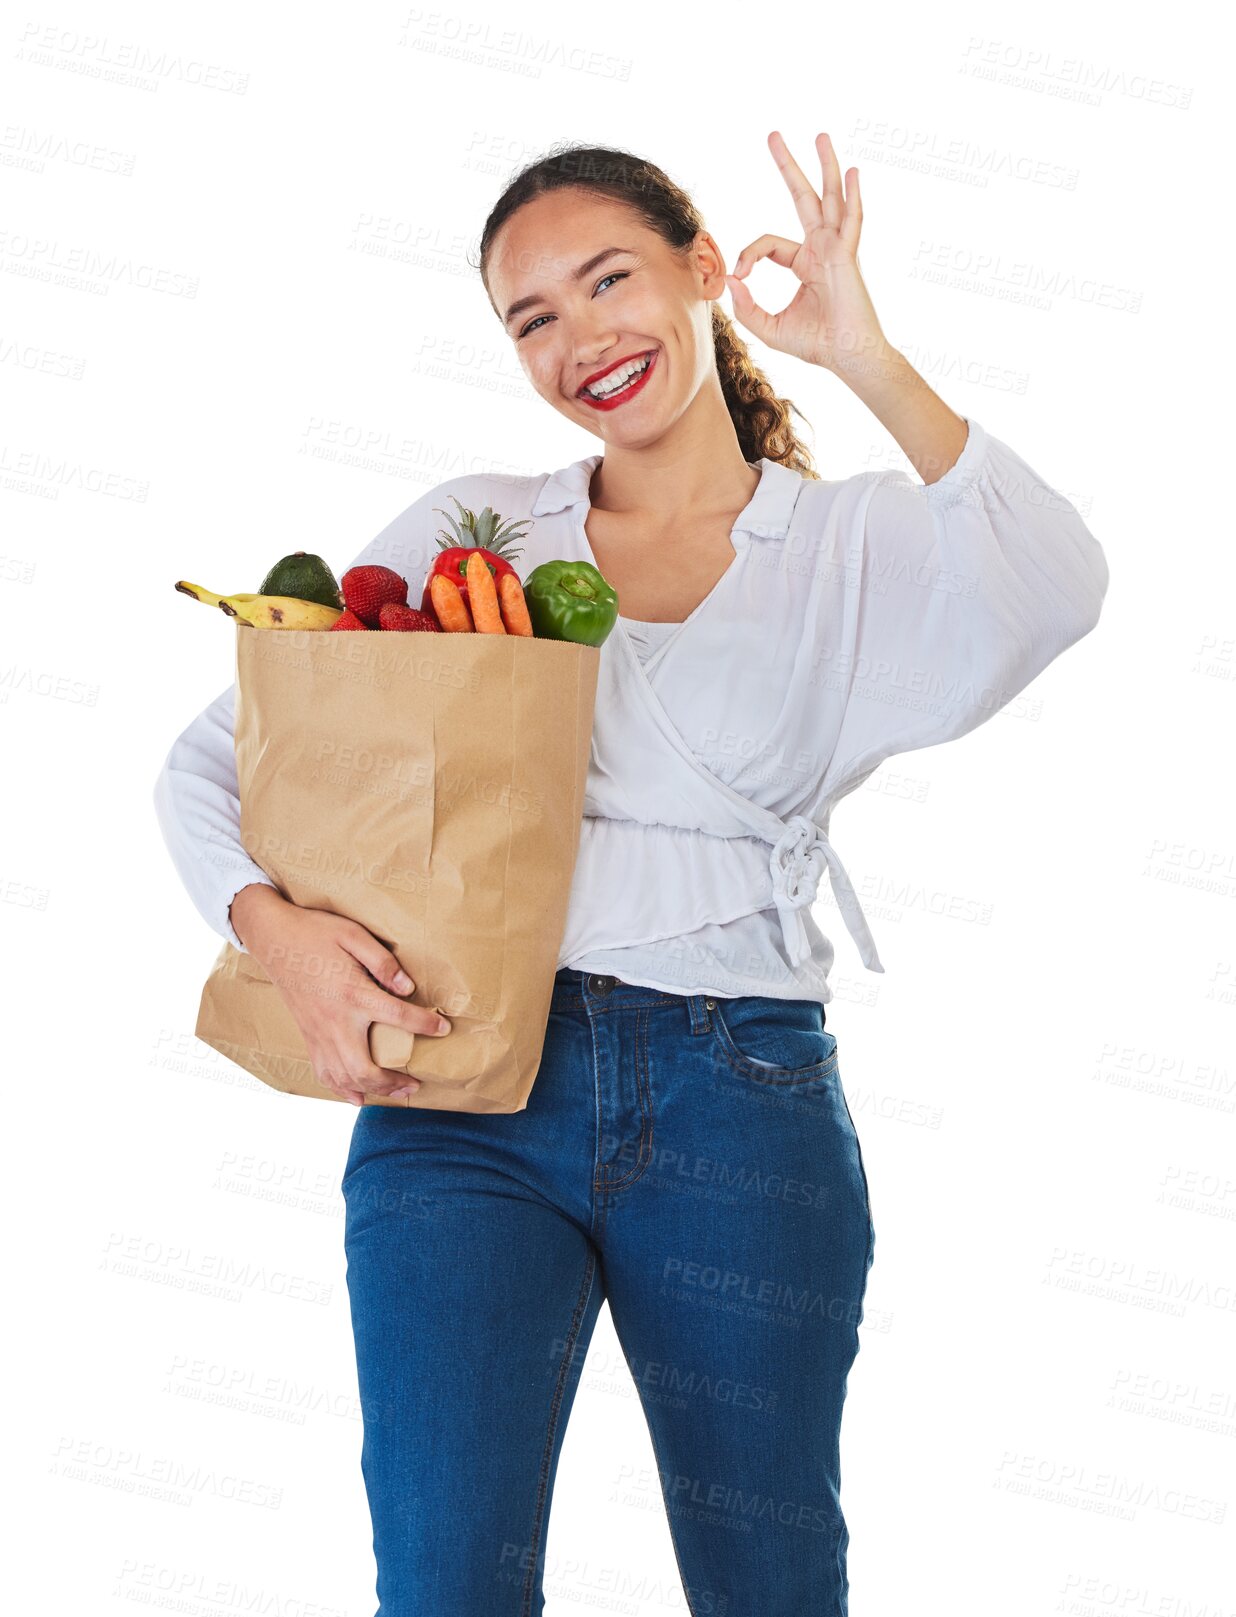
{"x":761,"y":419}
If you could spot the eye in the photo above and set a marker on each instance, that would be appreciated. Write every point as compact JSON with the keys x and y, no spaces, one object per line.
{"x":614,"y":275}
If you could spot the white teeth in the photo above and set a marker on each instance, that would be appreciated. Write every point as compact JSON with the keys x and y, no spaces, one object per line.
{"x":619,"y":378}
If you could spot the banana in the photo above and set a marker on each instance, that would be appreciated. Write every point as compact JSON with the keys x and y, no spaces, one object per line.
{"x":279,"y":612}
{"x":208,"y":597}
{"x":265,"y":611}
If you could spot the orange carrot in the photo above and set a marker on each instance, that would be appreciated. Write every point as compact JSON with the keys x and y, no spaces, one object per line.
{"x":514,"y":607}
{"x":449,"y":604}
{"x":483,"y":596}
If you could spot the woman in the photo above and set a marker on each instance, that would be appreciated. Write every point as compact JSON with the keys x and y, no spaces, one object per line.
{"x":687,"y":1152}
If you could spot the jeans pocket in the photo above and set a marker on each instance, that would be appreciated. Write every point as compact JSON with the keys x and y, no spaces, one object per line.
{"x":774,"y":1041}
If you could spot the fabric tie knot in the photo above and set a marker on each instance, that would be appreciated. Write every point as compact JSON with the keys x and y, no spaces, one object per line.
{"x":798,"y":862}
{"x":800,"y":856}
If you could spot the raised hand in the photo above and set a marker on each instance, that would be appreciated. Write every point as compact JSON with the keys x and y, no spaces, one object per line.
{"x":831,"y":320}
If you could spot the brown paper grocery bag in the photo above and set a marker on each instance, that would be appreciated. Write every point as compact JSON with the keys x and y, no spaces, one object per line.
{"x":431,"y":787}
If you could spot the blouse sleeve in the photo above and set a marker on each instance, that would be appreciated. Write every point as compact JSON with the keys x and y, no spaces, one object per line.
{"x":197,"y":805}
{"x":969,"y":587}
{"x":197,"y":796}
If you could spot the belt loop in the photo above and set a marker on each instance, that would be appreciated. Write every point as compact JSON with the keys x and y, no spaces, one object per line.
{"x":700,"y":1007}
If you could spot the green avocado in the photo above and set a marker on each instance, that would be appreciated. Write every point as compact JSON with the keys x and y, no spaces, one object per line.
{"x":304,"y":577}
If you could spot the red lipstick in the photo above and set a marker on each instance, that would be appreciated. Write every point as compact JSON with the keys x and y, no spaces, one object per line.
{"x":624,"y":393}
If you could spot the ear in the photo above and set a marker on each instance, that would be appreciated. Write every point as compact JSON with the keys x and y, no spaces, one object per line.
{"x":710,"y":262}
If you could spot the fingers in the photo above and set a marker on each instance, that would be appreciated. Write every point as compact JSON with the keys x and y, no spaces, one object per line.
{"x":388,"y":1008}
{"x":779,"y":248}
{"x":347,"y":1067}
{"x":842,"y":210}
{"x":338,"y":1084}
{"x":839,"y":209}
{"x":389,"y":1081}
{"x":833,"y":203}
{"x":351,"y":1073}
{"x":335,"y":1009}
{"x":362,"y":1074}
{"x":747,"y":311}
{"x":414,"y":1019}
{"x":376,"y":958}
{"x":852,"y":224}
{"x":807,"y":203}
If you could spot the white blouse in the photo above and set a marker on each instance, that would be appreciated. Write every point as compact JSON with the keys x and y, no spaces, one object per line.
{"x":859,"y":618}
{"x":647,"y":637}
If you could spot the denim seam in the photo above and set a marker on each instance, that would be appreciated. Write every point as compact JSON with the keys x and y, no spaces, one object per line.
{"x":576,"y":1002}
{"x":555,"y":1409}
{"x":779,"y":1080}
{"x":599,"y":1204}
{"x":646,"y":1122}
{"x":635,"y":1005}
{"x":768,"y":1075}
{"x":781,"y":1076}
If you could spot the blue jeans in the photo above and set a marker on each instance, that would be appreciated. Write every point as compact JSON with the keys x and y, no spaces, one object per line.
{"x":692,"y":1160}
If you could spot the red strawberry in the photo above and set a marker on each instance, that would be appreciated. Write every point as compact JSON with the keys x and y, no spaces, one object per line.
{"x":347,"y":620}
{"x":366,"y":590}
{"x":395,"y":616}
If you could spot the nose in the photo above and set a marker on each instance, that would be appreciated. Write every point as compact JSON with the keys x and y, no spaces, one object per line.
{"x":594,"y":351}
{"x":589,"y":367}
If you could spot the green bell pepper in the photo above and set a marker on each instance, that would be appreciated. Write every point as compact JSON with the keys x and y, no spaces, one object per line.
{"x":570,"y":600}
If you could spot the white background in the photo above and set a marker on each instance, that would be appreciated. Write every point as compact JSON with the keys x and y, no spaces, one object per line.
{"x":276,"y":220}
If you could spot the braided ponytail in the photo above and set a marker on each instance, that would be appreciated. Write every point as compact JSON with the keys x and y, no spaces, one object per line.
{"x":761,"y":419}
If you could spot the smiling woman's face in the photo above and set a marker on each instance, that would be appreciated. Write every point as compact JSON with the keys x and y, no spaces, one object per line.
{"x":642,"y":305}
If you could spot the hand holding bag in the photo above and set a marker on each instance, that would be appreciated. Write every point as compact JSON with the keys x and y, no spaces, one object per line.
{"x":430,"y":787}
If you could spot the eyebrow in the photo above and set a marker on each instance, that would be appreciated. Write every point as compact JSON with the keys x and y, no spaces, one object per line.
{"x":590,"y":264}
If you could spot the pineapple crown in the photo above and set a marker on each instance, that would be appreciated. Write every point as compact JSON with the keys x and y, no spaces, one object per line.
{"x":486,"y":532}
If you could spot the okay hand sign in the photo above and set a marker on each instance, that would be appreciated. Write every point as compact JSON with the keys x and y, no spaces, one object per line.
{"x":831,"y":320}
